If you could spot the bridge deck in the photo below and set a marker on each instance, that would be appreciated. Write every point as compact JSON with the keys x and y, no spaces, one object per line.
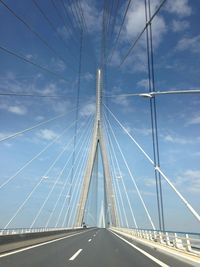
{"x":91,"y":248}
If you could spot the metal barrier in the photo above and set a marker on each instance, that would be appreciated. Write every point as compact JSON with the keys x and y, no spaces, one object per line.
{"x":189,"y":242}
{"x":14,"y":231}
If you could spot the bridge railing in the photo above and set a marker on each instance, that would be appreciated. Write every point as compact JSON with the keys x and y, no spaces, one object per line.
{"x":189,"y":242}
{"x":13,"y":231}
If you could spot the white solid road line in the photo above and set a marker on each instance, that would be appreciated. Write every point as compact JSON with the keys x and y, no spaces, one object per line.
{"x":75,"y":255}
{"x":160,"y":263}
{"x":39,"y":245}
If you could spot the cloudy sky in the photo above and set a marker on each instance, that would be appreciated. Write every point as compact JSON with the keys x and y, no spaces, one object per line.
{"x":40,"y":55}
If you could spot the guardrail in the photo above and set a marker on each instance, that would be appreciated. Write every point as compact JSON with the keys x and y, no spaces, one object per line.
{"x":189,"y":242}
{"x":14,"y":231}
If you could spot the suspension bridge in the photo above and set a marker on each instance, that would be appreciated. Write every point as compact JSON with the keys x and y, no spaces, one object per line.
{"x":79,"y":186}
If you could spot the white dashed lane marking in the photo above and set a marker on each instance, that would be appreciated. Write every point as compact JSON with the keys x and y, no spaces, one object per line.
{"x":75,"y":255}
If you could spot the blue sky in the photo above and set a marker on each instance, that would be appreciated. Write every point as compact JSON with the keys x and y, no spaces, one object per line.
{"x":176,"y":42}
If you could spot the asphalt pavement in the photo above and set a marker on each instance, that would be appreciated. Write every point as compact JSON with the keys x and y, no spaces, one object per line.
{"x":90,"y":248}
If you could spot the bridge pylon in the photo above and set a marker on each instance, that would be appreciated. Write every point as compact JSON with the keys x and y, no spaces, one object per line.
{"x":98,"y":143}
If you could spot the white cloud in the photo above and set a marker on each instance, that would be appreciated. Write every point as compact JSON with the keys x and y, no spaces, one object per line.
{"x":191,"y":44}
{"x":61,"y":106}
{"x":8,"y":145}
{"x":5,"y":143}
{"x":143,"y":83}
{"x":10,"y":83}
{"x":30,"y":56}
{"x":179,"y":7}
{"x":39,"y":118}
{"x":150,"y":182}
{"x":144,"y":193}
{"x":19,"y":110}
{"x":116,"y":58}
{"x":159,"y":28}
{"x":138,"y":61}
{"x":47,"y":134}
{"x":64,"y":32}
{"x":196,"y":154}
{"x":57,"y":65}
{"x":18,"y":106}
{"x":14,"y":84}
{"x":93,"y":17}
{"x":49,"y":89}
{"x":190,"y":180}
{"x":10,"y":76}
{"x":143,"y":131}
{"x":147,"y":193}
{"x":178,"y":140}
{"x":194,"y":120}
{"x":88,"y":109}
{"x":136,"y":21}
{"x":181,"y":140}
{"x":3,"y":135}
{"x":121,"y":100}
{"x":88,"y":76}
{"x":134,"y":24}
{"x":128,"y":129}
{"x":15,"y":109}
{"x":180,"y":25}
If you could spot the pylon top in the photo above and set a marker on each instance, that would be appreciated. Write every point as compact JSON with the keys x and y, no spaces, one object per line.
{"x":98,"y":95}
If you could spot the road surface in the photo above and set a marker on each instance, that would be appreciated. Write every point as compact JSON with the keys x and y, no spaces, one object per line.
{"x":90,"y":248}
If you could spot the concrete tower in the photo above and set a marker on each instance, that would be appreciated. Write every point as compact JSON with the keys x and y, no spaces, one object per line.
{"x":98,"y":143}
